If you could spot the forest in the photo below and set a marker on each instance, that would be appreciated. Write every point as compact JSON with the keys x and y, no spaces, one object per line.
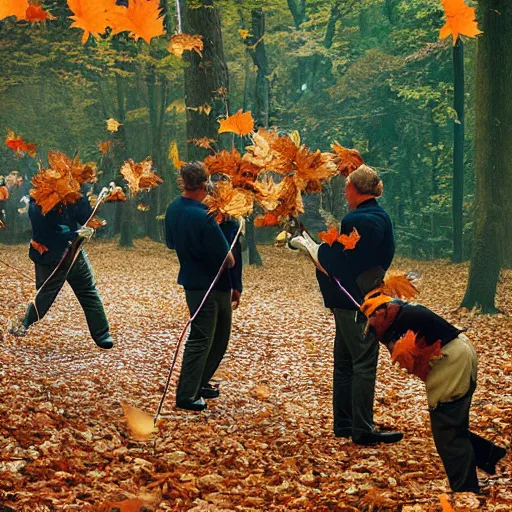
{"x":417,"y":91}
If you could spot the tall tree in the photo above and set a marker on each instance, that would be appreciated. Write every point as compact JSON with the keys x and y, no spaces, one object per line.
{"x":493,"y":154}
{"x":206,"y":78}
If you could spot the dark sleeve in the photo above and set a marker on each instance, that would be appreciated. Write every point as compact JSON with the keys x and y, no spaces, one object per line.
{"x":235,"y":273}
{"x":214,"y":242}
{"x":345,"y":264}
{"x":83,"y":210}
{"x":168,"y":231}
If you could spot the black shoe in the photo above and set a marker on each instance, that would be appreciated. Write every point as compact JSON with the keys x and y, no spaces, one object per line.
{"x":198,"y":405}
{"x":209,"y":392}
{"x":105,"y":343}
{"x":373,"y":438}
{"x":497,"y":453}
{"x":343,"y":432}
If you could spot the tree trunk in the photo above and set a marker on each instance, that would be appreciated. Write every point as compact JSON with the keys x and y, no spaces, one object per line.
{"x":206,"y":79}
{"x":458,"y":150}
{"x":493,"y":148}
{"x":298,"y":10}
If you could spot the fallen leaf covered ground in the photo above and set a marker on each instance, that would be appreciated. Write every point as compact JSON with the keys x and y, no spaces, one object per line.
{"x":266,"y":443}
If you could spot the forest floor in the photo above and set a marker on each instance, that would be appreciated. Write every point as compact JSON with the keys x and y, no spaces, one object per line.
{"x":267,"y":442}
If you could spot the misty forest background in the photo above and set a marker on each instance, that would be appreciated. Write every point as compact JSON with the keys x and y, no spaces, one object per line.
{"x":371,"y":74}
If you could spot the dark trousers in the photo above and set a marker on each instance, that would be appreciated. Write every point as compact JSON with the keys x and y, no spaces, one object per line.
{"x":207,"y":342}
{"x":81,"y":280}
{"x":355,"y":368}
{"x":460,"y":450}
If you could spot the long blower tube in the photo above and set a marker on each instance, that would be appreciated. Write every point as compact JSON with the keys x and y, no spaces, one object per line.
{"x":190,"y":320}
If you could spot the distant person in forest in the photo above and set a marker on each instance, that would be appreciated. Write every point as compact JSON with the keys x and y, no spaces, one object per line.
{"x":359,"y":270}
{"x":4,"y":196}
{"x":51,"y":235}
{"x":202,"y":246}
{"x":444,"y":358}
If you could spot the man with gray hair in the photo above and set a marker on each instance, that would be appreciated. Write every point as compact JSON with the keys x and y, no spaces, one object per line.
{"x":359,"y":270}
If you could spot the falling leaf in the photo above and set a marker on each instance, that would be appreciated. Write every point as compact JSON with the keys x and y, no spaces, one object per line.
{"x":104,"y":146}
{"x":13,"y":180}
{"x":349,"y":242}
{"x":142,"y":18}
{"x":267,"y":219}
{"x":460,"y":20}
{"x":117,"y":194}
{"x":143,"y":207}
{"x":40,"y":248}
{"x":178,"y":104}
{"x":140,"y":175}
{"x":174,"y":155}
{"x":141,"y":424}
{"x":227,"y":200}
{"x":35,"y":13}
{"x":2,"y":225}
{"x":243,"y":33}
{"x":295,"y":138}
{"x":443,"y":498}
{"x":17,"y":143}
{"x":96,"y":223}
{"x":91,"y":16}
{"x":113,"y":125}
{"x":16,"y":8}
{"x":399,"y":286}
{"x":203,"y":142}
{"x":186,"y":42}
{"x":347,"y":160}
{"x":239,"y":123}
{"x":330,"y":236}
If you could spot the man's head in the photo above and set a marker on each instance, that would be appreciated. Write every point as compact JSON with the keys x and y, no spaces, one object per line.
{"x":193,"y":176}
{"x":362,"y":184}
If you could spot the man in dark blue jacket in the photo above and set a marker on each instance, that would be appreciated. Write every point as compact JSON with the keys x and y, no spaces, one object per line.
{"x":51,"y":235}
{"x":359,"y":270}
{"x":202,"y":246}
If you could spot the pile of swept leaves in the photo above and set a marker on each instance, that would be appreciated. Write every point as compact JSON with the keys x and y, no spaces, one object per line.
{"x":266,"y":443}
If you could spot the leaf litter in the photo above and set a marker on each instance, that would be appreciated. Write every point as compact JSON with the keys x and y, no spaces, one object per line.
{"x":266,"y":443}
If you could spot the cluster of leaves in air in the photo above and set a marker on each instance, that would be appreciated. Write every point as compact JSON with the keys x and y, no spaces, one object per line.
{"x":273,"y":173}
{"x":142,"y":19}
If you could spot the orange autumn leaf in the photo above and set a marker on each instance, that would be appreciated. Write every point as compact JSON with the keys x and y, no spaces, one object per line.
{"x":17,"y":143}
{"x":460,"y":20}
{"x":143,"y":207}
{"x":104,"y":146}
{"x":347,"y":160}
{"x":36,"y":13}
{"x":4,"y":193}
{"x":81,"y":172}
{"x":399,"y":286}
{"x":91,"y":16}
{"x":265,"y":220}
{"x":140,"y":175}
{"x":16,"y":8}
{"x":203,"y":142}
{"x":261,"y":392}
{"x":228,"y":200}
{"x":141,"y":424}
{"x":96,"y":223}
{"x":414,"y":355}
{"x":40,"y":248}
{"x":117,"y":194}
{"x":186,"y":42}
{"x":330,"y":236}
{"x":240,"y":123}
{"x":349,"y":242}
{"x":445,"y":504}
{"x":142,"y":18}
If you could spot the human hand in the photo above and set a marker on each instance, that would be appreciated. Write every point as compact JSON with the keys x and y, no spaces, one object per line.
{"x":235,"y":299}
{"x":85,"y":232}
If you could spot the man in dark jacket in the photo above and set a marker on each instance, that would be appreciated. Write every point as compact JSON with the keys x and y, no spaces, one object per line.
{"x":51,"y":235}
{"x":358,"y":270}
{"x":202,"y":246}
{"x":444,"y":358}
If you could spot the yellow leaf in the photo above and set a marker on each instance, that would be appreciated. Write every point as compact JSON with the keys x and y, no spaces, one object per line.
{"x":295,"y":138}
{"x":141,"y":424}
{"x":178,"y":104}
{"x":186,"y":42}
{"x":113,"y":125}
{"x":243,"y":34}
{"x":174,"y":155}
